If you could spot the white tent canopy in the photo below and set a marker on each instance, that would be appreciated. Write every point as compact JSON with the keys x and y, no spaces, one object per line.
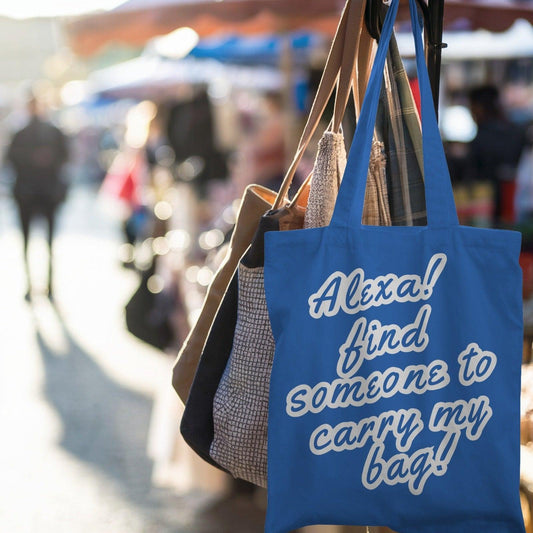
{"x":516,"y":42}
{"x":147,"y":76}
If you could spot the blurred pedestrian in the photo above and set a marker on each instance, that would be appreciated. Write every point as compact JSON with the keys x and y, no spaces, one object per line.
{"x":495,"y":151}
{"x":37,"y":154}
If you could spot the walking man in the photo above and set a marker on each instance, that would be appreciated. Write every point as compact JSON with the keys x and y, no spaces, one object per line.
{"x":37,"y":154}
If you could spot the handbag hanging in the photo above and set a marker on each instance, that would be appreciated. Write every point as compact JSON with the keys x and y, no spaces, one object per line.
{"x":147,"y":314}
{"x":398,"y":128}
{"x":331,"y":158}
{"x":256,"y":200}
{"x":395,"y":388}
{"x":240,"y":406}
{"x":197,"y":422}
{"x":197,"y":426}
{"x":240,"y":403}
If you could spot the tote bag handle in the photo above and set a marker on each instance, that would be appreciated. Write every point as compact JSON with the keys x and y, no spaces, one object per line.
{"x":345,"y":37}
{"x":440,"y":203}
{"x":353,"y":78}
{"x":355,"y":60}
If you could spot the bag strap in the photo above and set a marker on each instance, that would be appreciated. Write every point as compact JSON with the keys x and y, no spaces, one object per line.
{"x":364,"y":60}
{"x":325,"y":89}
{"x":441,"y":210}
{"x":349,"y":63}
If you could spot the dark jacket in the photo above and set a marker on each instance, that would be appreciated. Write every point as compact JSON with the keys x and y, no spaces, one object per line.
{"x":496,"y":150}
{"x":37,"y":153}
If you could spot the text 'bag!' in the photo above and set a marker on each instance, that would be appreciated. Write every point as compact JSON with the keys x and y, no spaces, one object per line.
{"x":394,"y":396}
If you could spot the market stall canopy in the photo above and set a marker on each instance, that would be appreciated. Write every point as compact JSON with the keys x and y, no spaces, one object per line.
{"x":137,"y":21}
{"x":516,"y":42}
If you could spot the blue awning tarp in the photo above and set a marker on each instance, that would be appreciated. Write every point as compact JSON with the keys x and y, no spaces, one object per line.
{"x":261,"y":49}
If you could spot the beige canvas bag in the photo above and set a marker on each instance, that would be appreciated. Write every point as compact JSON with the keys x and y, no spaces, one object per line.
{"x":255,"y":201}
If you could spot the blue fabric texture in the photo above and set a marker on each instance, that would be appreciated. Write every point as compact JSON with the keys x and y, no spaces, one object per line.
{"x":395,"y":388}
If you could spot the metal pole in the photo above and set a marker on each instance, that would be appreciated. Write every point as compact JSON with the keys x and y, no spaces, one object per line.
{"x":434,"y":46}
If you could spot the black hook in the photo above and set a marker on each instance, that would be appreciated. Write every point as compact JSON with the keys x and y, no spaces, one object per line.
{"x":374,"y":15}
{"x":432,"y":13}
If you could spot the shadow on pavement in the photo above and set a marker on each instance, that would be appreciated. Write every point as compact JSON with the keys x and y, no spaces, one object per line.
{"x":106,"y":426}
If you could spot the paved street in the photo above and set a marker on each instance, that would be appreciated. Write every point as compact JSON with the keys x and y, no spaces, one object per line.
{"x":77,"y":392}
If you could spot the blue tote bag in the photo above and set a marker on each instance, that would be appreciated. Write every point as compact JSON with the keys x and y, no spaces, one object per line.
{"x":394,"y":395}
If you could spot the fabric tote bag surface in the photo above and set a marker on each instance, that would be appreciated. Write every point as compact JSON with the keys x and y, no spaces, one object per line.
{"x":395,"y":387}
{"x":256,"y":200}
{"x":240,"y":403}
{"x":197,"y":423}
